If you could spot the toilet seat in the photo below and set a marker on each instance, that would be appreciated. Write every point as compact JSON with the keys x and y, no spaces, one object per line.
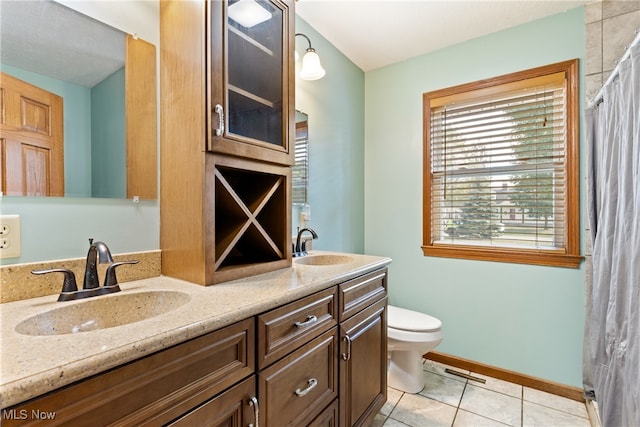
{"x":402,"y":319}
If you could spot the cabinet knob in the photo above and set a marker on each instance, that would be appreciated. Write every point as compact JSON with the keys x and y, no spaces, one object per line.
{"x":219,"y":110}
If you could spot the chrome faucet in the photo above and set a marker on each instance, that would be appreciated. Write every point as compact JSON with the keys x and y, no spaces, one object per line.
{"x":301,"y":246}
{"x":98,"y":253}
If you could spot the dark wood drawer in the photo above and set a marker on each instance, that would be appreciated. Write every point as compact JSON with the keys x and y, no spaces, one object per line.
{"x":295,"y":390}
{"x":286,"y":328}
{"x":328,"y":417}
{"x":359,"y":293}
{"x":155,"y":389}
{"x":231,"y":408}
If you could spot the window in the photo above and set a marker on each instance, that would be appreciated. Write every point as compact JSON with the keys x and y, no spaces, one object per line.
{"x":501,"y":179}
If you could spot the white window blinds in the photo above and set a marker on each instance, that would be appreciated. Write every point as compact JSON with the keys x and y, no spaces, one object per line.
{"x":300,"y":171}
{"x":497,"y":164}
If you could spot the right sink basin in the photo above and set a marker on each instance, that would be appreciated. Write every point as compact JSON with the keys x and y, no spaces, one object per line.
{"x":323,"y":260}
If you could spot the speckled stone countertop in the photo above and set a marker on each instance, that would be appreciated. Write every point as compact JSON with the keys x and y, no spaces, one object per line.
{"x":34,"y":365}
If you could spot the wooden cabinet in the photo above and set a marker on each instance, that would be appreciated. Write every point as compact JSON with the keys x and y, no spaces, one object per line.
{"x":153,"y":390}
{"x":235,"y":407}
{"x":226,"y":130}
{"x":251,"y":78}
{"x":296,"y":389}
{"x":314,"y":373}
{"x":363,"y":354}
{"x":282,"y":330}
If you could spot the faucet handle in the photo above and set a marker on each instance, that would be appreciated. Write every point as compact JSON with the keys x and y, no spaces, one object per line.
{"x":110,"y":278}
{"x":69,"y":284}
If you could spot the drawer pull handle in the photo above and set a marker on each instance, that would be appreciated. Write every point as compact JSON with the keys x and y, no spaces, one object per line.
{"x":310,"y":320}
{"x":312,"y":383}
{"x":219,"y":110}
{"x":347,"y":355}
{"x":256,"y":413}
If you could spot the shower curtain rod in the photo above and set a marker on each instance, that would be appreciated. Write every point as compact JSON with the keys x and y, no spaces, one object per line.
{"x":598,"y":98}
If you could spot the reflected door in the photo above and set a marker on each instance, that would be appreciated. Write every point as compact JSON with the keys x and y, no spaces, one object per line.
{"x":32,"y":152}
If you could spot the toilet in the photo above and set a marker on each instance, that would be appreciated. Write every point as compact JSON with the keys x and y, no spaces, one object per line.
{"x":410,"y":334}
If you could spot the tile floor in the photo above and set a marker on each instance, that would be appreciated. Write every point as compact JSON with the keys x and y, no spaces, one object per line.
{"x":449,"y":400}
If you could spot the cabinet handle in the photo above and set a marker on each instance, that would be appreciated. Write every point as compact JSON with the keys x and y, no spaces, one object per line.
{"x":310,"y":320}
{"x":347,"y":355}
{"x":220,"y":112}
{"x":312,"y":383}
{"x":256,"y":413}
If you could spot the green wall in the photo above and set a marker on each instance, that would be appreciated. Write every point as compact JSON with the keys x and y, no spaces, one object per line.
{"x":523,"y":318}
{"x":335,"y":106}
{"x":108,"y":137}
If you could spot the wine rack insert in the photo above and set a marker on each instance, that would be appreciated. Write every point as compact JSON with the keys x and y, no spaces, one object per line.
{"x":251,"y":218}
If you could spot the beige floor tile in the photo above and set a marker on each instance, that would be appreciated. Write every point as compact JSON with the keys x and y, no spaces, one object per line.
{"x":418,"y":411}
{"x":493,"y":405}
{"x":500,"y":386}
{"x":439,"y":368}
{"x":556,"y":402}
{"x":443,"y":389}
{"x":379,"y":420}
{"x":467,"y":419}
{"x":393,"y":396}
{"x":395,"y":423}
{"x":535,"y":415}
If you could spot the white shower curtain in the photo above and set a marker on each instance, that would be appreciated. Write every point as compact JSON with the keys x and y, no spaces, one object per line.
{"x":612,"y":331}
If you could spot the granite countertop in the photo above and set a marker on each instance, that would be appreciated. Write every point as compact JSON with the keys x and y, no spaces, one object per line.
{"x":34,"y":365}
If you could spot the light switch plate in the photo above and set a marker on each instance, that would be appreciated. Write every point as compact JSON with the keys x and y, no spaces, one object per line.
{"x":9,"y":236}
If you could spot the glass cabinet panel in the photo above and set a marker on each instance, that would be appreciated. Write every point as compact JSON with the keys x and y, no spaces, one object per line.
{"x":255,"y":75}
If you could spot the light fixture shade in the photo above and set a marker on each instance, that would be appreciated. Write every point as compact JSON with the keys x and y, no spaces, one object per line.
{"x":311,"y":67}
{"x":248,"y":13}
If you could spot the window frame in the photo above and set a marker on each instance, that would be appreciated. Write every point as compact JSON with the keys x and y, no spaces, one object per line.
{"x":569,"y":256}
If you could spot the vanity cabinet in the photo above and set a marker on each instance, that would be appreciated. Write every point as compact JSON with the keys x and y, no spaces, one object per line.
{"x":317,"y":361}
{"x":363,"y":354}
{"x":153,"y":390}
{"x":226,"y":140}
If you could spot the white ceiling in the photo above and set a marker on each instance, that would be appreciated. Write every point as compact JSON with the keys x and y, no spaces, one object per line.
{"x":375,"y":33}
{"x":48,"y":38}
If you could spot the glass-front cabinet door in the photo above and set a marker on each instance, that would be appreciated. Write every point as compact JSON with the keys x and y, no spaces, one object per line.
{"x":251,"y":79}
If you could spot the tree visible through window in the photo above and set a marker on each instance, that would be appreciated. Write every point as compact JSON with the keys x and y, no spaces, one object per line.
{"x":501,"y":168}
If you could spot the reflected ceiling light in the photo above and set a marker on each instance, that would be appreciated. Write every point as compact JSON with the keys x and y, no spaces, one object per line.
{"x":248,"y":13}
{"x":311,"y":67}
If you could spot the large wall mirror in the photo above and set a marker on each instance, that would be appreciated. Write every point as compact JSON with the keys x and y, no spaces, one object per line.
{"x":78,"y":108}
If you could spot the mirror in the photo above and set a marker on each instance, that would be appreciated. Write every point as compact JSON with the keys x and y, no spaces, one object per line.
{"x":300,"y":174}
{"x":79,"y":105}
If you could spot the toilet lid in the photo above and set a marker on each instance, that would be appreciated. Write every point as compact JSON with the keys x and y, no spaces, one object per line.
{"x":408,"y":320}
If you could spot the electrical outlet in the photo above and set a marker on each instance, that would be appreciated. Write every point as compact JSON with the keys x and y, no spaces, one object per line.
{"x":9,"y":236}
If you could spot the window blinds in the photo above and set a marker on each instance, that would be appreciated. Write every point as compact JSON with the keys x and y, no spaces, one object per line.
{"x":300,"y":170}
{"x":498,"y":165}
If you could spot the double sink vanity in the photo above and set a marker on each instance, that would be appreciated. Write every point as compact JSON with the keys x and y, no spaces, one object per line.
{"x":304,"y":345}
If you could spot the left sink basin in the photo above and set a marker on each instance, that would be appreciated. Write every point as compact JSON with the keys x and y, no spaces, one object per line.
{"x":102,"y":312}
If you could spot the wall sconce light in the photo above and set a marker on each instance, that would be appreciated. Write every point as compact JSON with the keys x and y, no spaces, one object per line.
{"x":311,"y":67}
{"x":248,"y":13}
